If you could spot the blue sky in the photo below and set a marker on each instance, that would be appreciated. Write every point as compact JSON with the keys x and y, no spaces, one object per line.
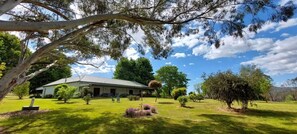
{"x":273,"y":49}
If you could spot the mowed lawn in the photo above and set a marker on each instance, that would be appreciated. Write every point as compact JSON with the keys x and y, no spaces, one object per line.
{"x":102,"y":116}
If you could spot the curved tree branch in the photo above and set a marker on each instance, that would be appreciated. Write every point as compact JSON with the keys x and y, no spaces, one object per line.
{"x":46,"y":7}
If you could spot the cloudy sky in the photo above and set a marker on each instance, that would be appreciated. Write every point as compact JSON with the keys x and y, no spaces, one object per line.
{"x":273,"y":49}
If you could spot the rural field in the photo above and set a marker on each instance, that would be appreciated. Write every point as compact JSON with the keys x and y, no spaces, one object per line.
{"x":104,"y":116}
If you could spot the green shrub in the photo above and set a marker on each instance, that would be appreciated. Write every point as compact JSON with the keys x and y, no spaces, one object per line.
{"x":196,"y":97}
{"x":57,"y":88}
{"x":182,"y":100}
{"x":200,"y":97}
{"x":66,"y":93}
{"x":178,"y":92}
{"x":87,"y":99}
{"x":289,"y":97}
{"x":85,"y":91}
{"x":21,"y":90}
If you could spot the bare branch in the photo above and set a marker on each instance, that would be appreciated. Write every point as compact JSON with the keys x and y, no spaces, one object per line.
{"x":30,"y":76}
{"x":90,"y":64}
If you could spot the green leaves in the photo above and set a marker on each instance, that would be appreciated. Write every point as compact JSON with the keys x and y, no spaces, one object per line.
{"x":21,"y":90}
{"x":171,"y":78}
{"x":139,"y":70}
{"x":66,"y":92}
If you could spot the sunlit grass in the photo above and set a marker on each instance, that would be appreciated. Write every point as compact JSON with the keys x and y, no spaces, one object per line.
{"x":104,"y":116}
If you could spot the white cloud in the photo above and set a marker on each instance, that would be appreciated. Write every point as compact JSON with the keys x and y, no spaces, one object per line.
{"x":103,"y":66}
{"x":179,"y":55}
{"x":168,"y":63}
{"x":285,"y":35}
{"x":283,"y":2}
{"x":184,"y":65}
{"x":189,"y":41}
{"x":191,"y":64}
{"x":281,"y":58}
{"x":278,"y":26}
{"x":201,"y":49}
{"x":233,"y":46}
{"x":131,"y":53}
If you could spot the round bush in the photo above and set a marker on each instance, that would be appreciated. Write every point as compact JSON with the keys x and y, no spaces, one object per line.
{"x":182,"y":100}
{"x":178,"y":92}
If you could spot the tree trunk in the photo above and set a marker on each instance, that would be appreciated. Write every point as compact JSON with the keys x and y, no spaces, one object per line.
{"x":244,"y":105}
{"x":156,"y":95}
{"x":229,"y":105}
{"x":65,"y":100}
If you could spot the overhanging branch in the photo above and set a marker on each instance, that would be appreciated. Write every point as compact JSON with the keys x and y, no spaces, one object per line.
{"x":30,"y":76}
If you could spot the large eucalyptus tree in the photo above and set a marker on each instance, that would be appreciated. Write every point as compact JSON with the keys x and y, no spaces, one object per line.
{"x":89,"y":28}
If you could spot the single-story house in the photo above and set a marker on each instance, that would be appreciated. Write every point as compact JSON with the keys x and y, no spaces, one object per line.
{"x":98,"y":86}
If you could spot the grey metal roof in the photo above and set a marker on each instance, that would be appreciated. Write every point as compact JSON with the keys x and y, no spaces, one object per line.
{"x":98,"y":81}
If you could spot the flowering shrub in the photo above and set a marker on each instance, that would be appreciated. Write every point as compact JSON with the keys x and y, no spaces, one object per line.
{"x":146,"y":111}
{"x":130,"y":112}
{"x":153,"y":110}
{"x":146,"y":107}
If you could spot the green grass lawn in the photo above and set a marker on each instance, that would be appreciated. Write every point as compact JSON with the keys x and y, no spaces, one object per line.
{"x":103,"y":116}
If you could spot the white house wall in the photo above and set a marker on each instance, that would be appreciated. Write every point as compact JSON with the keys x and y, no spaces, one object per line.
{"x":51,"y":89}
{"x":103,"y":89}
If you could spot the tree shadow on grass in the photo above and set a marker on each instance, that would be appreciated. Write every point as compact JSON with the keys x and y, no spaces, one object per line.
{"x":107,"y":122}
{"x":165,"y":102}
{"x":271,"y":113}
{"x":75,"y":121}
{"x":233,"y":125}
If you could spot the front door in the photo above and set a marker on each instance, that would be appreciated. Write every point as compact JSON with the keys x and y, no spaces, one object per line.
{"x":130,"y":92}
{"x":96,"y":92}
{"x":112,"y":92}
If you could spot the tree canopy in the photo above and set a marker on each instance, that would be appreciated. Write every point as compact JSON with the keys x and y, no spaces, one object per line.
{"x":260,"y":82}
{"x":139,"y":70}
{"x":171,"y":78}
{"x":99,"y":28}
{"x":228,"y":87}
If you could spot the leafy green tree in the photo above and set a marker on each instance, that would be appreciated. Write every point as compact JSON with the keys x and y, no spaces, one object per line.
{"x":100,"y":28}
{"x":156,"y":85}
{"x":178,"y":92}
{"x":258,"y":81}
{"x":66,"y":93}
{"x":2,"y":68}
{"x":10,"y":50}
{"x":171,"y":78}
{"x":57,"y":88}
{"x":139,"y":70}
{"x":21,"y":90}
{"x":228,"y":87}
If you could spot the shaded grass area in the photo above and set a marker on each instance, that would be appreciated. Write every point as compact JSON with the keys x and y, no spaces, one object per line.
{"x":103,"y":116}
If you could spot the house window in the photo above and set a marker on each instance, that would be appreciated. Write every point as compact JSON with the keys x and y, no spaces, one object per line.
{"x":130,"y":92}
{"x":112,"y":92}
